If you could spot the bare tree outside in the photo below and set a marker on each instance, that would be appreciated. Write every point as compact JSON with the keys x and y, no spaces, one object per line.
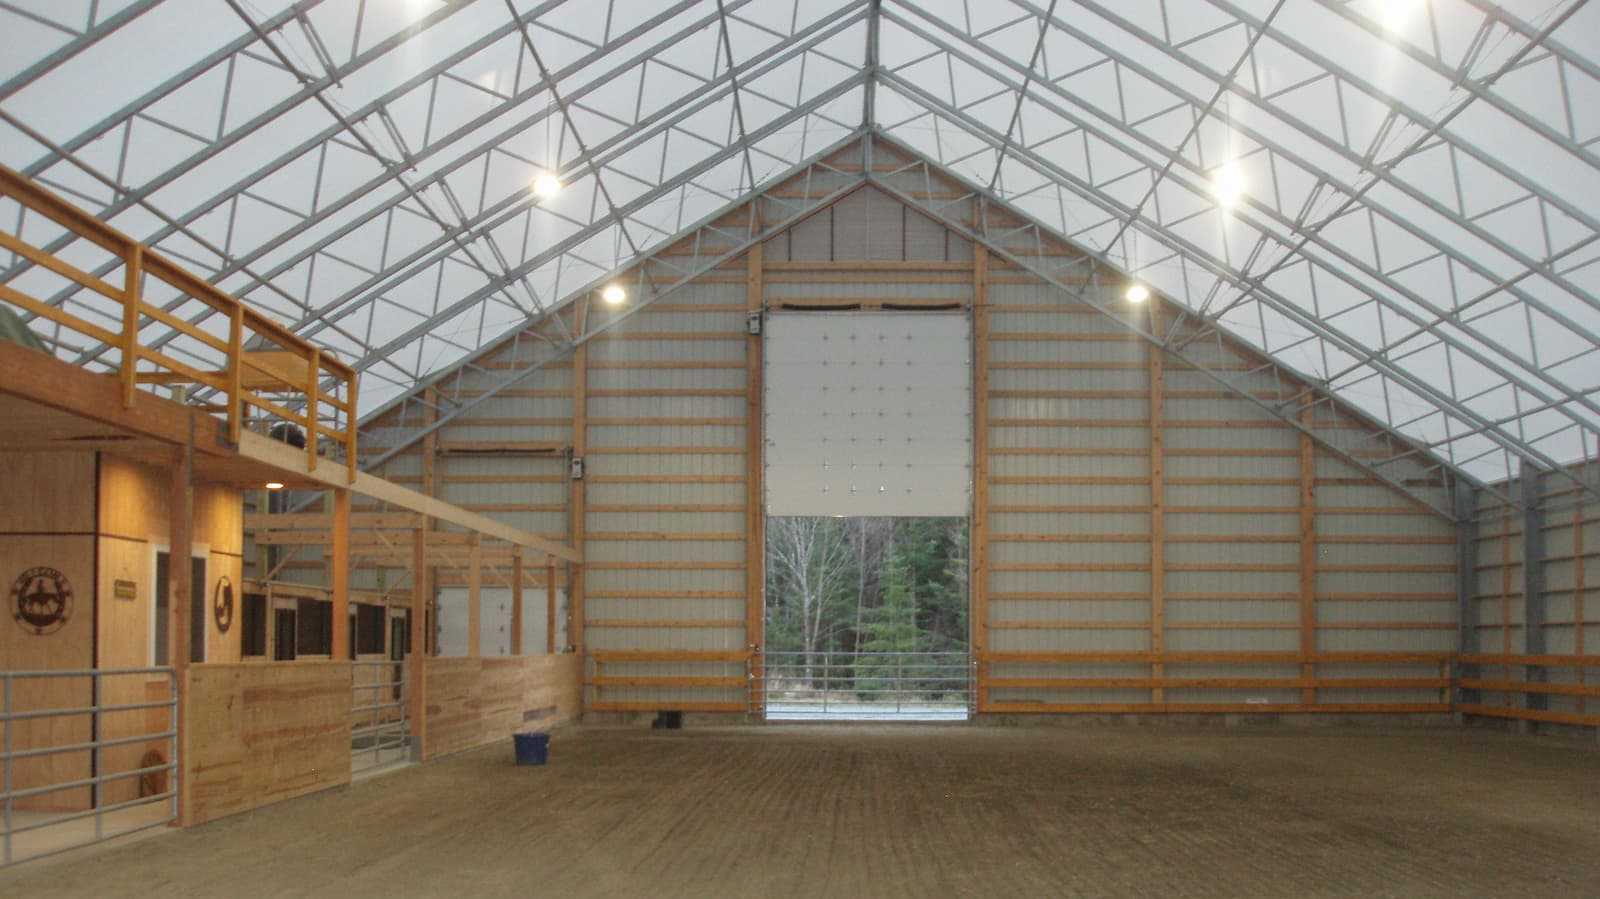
{"x":867,"y":589}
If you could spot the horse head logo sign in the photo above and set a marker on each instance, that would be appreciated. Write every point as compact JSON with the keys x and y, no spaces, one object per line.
{"x":41,"y":600}
{"x":222,"y":603}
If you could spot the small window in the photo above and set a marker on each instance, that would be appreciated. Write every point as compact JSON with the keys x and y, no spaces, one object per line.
{"x":315,"y":628}
{"x":253,"y":621}
{"x":369,"y":628}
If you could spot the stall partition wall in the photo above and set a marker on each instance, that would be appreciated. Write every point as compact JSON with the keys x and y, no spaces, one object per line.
{"x":99,"y":519}
{"x":48,"y":522}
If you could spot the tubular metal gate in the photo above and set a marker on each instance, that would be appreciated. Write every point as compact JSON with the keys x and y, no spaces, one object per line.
{"x":868,"y":686}
{"x":39,"y":791}
{"x":380,"y":732}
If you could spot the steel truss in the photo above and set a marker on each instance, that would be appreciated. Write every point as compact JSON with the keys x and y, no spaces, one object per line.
{"x":1413,"y":239}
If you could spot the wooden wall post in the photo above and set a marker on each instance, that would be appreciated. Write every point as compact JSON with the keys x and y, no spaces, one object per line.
{"x":979,"y":585}
{"x":1308,"y":554}
{"x":430,"y":485}
{"x":755,"y":531}
{"x":1158,"y":517}
{"x":418,"y":639}
{"x":474,"y":597}
{"x":1506,"y":697}
{"x":132,"y":277}
{"x":1533,"y":580}
{"x":1579,"y":585}
{"x":550,"y":604}
{"x":180,"y":582}
{"x":576,"y":506}
{"x":339,"y":541}
{"x":516,"y":600}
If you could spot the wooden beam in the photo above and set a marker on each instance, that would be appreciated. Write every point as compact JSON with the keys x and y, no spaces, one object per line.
{"x":339,"y":542}
{"x":1308,"y":554}
{"x":332,"y":474}
{"x":257,"y":521}
{"x":550,"y":605}
{"x":516,"y":600}
{"x":577,"y":507}
{"x":474,"y":599}
{"x":1158,"y":518}
{"x":41,"y":378}
{"x":180,"y":583}
{"x":1579,"y":585}
{"x":755,"y":510}
{"x":418,"y":641}
{"x":980,"y":475}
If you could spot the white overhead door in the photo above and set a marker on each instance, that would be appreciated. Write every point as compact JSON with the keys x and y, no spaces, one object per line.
{"x":494,"y":622}
{"x":868,"y":414}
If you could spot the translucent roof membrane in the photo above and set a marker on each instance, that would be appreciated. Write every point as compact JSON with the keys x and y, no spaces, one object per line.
{"x":1394,"y":199}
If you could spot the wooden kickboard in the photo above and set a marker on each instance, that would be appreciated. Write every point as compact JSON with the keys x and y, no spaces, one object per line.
{"x":475,"y":702}
{"x":265,"y":732}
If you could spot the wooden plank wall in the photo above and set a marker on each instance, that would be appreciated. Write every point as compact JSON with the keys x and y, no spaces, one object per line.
{"x":1160,"y":545}
{"x":1154,"y":543}
{"x":1572,"y":596}
{"x":476,"y":702}
{"x":1511,"y":676}
{"x":48,"y":519}
{"x":263,"y":732}
{"x":506,"y":458}
{"x":668,"y":418}
{"x":133,"y":522}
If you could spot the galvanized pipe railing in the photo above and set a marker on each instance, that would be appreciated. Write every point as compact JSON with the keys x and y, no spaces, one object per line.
{"x":12,"y":720}
{"x":826,"y":684}
{"x":378,"y":713}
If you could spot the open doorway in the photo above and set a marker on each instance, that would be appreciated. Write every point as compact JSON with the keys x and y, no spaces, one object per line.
{"x":867,"y":619}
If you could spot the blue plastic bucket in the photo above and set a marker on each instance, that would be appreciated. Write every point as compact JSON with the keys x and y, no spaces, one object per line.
{"x":532,"y":749}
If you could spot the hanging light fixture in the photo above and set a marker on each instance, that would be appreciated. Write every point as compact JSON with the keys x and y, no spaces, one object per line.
{"x":613,"y":294}
{"x":274,"y":485}
{"x":1137,"y":293}
{"x":1227,"y":185}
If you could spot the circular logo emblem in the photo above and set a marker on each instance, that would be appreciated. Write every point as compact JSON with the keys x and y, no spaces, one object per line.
{"x":41,"y":600}
{"x":222,"y":603}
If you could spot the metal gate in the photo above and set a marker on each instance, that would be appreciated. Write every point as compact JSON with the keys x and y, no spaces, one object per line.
{"x":868,"y":686}
{"x":58,"y":792}
{"x":380,"y":730}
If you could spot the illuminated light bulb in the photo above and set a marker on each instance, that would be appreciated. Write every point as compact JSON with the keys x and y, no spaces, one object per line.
{"x":1138,"y":293}
{"x":546,"y":185}
{"x":274,"y":485}
{"x":1228,"y":185}
{"x":613,"y":294}
{"x":1396,"y":13}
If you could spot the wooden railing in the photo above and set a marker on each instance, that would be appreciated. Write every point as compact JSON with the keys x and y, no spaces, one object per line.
{"x":601,"y":681}
{"x":1509,"y":687}
{"x":282,"y":375}
{"x":1437,"y":680}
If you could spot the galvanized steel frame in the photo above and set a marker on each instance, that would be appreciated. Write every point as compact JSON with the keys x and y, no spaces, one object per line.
{"x":1546,"y":284}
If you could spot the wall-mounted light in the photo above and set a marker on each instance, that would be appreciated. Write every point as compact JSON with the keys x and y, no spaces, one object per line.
{"x":274,"y":485}
{"x":1137,"y":293}
{"x":613,"y":294}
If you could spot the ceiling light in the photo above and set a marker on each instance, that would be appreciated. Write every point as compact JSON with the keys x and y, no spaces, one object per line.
{"x":546,"y":185}
{"x":1396,"y":12}
{"x":274,"y":485}
{"x":613,"y":294}
{"x":1228,"y":185}
{"x":1138,"y":293}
